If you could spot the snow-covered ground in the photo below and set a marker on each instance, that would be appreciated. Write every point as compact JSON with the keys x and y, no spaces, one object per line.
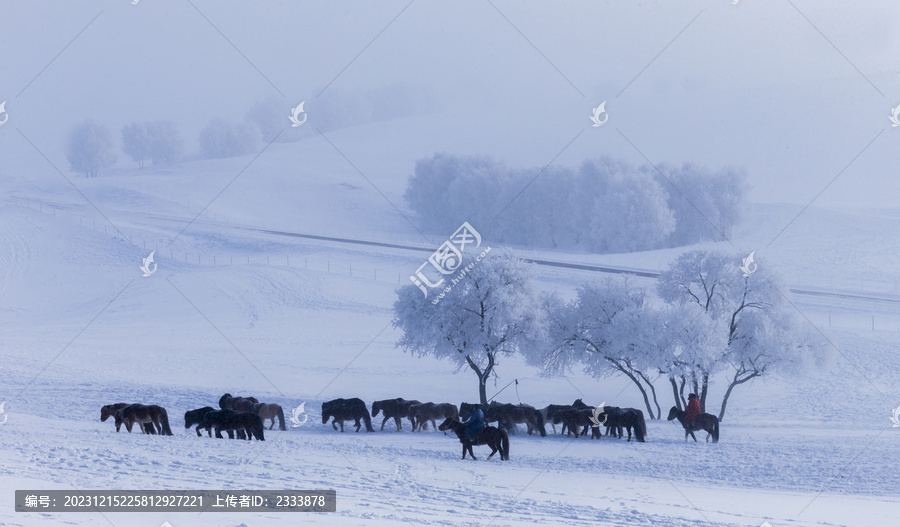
{"x":294,"y":320}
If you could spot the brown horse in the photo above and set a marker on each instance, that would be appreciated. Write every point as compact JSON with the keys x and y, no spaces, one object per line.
{"x":139,"y":413}
{"x":707,"y":422}
{"x":269,"y":411}
{"x":110,"y":410}
{"x":420,"y":414}
{"x":393,"y":408}
{"x":508,"y":415}
{"x":238,"y":404}
{"x":496,"y":438}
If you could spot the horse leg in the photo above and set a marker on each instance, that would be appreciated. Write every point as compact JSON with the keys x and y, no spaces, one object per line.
{"x":334,"y":424}
{"x":433,"y":425}
{"x":385,"y":421}
{"x":358,"y":424}
{"x":396,"y":422}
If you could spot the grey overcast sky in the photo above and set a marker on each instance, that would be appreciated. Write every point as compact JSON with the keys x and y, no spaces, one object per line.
{"x":790,"y":91}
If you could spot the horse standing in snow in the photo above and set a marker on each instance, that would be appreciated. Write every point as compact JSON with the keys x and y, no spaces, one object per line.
{"x":110,"y":410}
{"x":393,"y":408}
{"x":345,"y":410}
{"x":141,"y":414}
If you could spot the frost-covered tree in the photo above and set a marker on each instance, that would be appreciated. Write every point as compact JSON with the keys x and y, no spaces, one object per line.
{"x":491,"y":311}
{"x":448,"y":190}
{"x":759,"y":331}
{"x":136,"y":142}
{"x":219,"y":139}
{"x":607,"y":330}
{"x":90,"y":148}
{"x":628,"y":212}
{"x":166,"y":146}
{"x":705,"y":204}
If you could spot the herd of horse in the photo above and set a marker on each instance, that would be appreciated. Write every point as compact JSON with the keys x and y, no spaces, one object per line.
{"x":245,"y":417}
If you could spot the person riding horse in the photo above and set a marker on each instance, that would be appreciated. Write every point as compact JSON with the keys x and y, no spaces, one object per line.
{"x":474,"y":424}
{"x":693,"y":409}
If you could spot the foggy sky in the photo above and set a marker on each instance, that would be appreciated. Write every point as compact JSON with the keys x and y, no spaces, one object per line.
{"x":753,"y":85}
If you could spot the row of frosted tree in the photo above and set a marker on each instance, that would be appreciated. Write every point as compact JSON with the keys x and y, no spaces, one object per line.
{"x":703,"y":322}
{"x":603,"y":206}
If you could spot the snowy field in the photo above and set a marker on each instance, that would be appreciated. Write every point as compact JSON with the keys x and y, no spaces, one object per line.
{"x":816,"y":450}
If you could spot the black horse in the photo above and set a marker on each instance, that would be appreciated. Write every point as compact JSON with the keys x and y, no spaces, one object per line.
{"x":496,"y":438}
{"x":627,"y":418}
{"x":345,"y":410}
{"x":198,"y":417}
{"x":706,"y":422}
{"x":229,"y":420}
{"x":238,"y":404}
{"x":393,"y":408}
{"x":577,"y":421}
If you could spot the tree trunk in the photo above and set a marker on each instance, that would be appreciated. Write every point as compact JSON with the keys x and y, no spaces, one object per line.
{"x":653,"y":392}
{"x":637,"y":382}
{"x":704,"y":389}
{"x":681,"y":391}
{"x":483,"y":376}
{"x":734,"y":382}
{"x":675,"y":393}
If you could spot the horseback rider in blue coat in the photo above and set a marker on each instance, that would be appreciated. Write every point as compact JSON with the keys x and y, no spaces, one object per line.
{"x":474,"y":424}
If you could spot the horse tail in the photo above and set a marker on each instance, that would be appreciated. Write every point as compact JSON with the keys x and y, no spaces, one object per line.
{"x":540,"y":422}
{"x":164,"y":421}
{"x":715,"y":433}
{"x":258,"y":428}
{"x":504,"y":445}
{"x":281,"y":417}
{"x":367,"y":419}
{"x":640,"y":430}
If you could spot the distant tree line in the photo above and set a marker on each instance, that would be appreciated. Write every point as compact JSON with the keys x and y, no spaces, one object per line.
{"x":603,"y":206}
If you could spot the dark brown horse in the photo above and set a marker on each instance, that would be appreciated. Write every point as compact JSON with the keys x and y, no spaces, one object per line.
{"x":269,"y":411}
{"x":110,"y":410}
{"x":238,"y":404}
{"x":507,"y":415}
{"x":393,"y":408}
{"x":139,"y":413}
{"x":706,"y":422}
{"x":628,"y":418}
{"x":346,"y":410}
{"x":420,"y":414}
{"x":496,"y":438}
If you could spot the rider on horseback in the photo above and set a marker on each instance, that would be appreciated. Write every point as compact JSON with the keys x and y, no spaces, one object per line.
{"x":474,"y":424}
{"x":693,"y":409}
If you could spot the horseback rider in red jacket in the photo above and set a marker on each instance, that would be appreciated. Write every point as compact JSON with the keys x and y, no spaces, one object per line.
{"x":693,"y":409}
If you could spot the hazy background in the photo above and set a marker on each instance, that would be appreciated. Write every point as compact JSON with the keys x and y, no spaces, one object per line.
{"x":751,"y":85}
